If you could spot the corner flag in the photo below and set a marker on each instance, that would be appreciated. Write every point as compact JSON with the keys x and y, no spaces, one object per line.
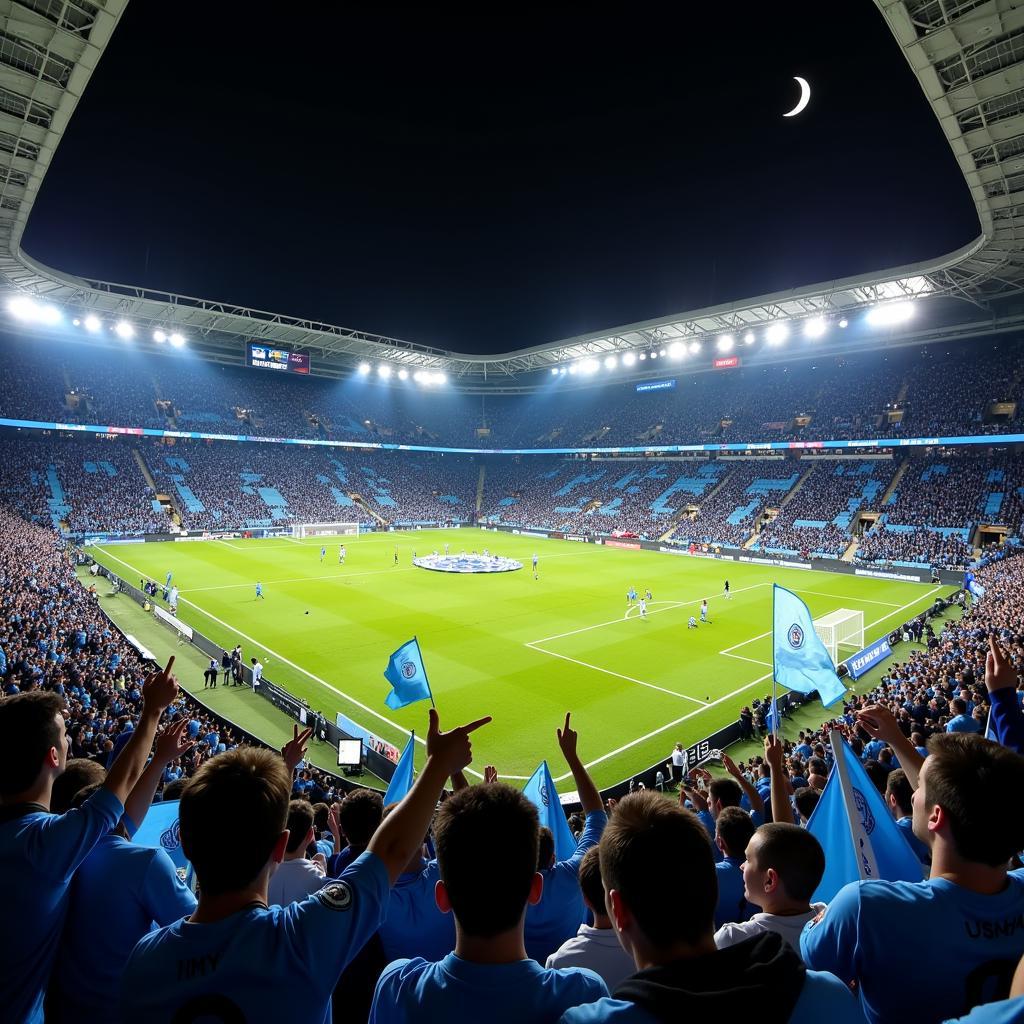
{"x":801,"y":661}
{"x":861,"y":839}
{"x":541,"y":792}
{"x":401,"y":781}
{"x":407,"y":676}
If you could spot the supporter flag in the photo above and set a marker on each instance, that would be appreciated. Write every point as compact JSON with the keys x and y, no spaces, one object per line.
{"x":860,"y":837}
{"x":773,"y":720}
{"x":541,"y":792}
{"x":159,"y":831}
{"x":407,"y":676}
{"x":973,"y":587}
{"x":401,"y":781}
{"x":801,"y":661}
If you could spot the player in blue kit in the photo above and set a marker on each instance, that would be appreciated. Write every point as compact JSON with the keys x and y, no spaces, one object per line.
{"x":704,"y":611}
{"x":259,"y":591}
{"x":963,"y":924}
{"x":323,"y":554}
{"x":235,"y":958}
{"x":40,"y":851}
{"x":669,"y":932}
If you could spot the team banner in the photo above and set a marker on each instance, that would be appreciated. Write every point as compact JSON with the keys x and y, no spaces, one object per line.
{"x":868,"y":658}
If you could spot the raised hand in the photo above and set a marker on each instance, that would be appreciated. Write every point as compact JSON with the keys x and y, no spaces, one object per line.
{"x":774,"y":753}
{"x":295,"y":749}
{"x":1000,"y":673}
{"x":879,"y":722}
{"x":173,"y":742}
{"x":730,"y":766}
{"x":453,"y":749}
{"x":160,"y":689}
{"x":490,"y":773}
{"x":567,"y":738}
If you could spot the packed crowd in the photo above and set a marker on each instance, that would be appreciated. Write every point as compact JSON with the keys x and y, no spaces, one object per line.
{"x":920,"y":547}
{"x":901,"y":393}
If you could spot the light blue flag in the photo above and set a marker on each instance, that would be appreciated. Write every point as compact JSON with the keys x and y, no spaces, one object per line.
{"x":159,"y":831}
{"x":407,"y":676}
{"x":801,"y":661}
{"x":541,"y":792}
{"x":861,"y":839}
{"x":401,"y":781}
{"x":773,"y":717}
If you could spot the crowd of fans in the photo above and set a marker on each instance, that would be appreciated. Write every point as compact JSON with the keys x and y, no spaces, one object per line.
{"x":903,"y":393}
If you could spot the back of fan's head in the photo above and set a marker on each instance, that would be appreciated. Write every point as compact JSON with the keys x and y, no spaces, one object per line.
{"x":645,"y":833}
{"x":486,"y":839}
{"x":231,"y":814}
{"x":28,"y":730}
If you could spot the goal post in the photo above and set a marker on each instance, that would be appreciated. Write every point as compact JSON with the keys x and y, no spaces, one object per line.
{"x":842,"y":633}
{"x":303,"y":530}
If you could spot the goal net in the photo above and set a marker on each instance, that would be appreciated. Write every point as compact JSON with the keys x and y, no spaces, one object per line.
{"x":301,"y":530}
{"x":842,"y":632}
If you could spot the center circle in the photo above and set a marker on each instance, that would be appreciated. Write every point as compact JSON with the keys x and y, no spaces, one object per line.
{"x":467,"y":563}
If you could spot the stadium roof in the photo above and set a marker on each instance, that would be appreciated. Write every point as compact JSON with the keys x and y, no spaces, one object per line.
{"x":968,"y":56}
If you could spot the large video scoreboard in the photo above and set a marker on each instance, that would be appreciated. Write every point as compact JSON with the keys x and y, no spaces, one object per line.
{"x":268,"y":358}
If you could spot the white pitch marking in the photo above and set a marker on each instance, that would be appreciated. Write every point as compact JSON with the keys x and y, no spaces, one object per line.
{"x":845,"y":597}
{"x":753,"y":661}
{"x":291,"y":664}
{"x":300,"y":579}
{"x":619,"y":675}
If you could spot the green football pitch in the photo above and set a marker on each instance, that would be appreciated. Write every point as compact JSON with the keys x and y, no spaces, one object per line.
{"x":522,"y":650}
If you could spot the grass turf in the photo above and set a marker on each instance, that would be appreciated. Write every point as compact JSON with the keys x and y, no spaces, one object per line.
{"x":523,"y":650}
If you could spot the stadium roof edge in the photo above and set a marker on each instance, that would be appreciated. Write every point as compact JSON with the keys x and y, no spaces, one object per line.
{"x":964,"y":54}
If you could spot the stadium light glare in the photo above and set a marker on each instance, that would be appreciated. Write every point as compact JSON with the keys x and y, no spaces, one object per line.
{"x":676,"y":350}
{"x":573,"y":369}
{"x":844,"y":322}
{"x":177,"y":340}
{"x":662,"y":353}
{"x":654,"y":355}
{"x":643,"y":355}
{"x":364,"y":369}
{"x":561,"y":371}
{"x":610,"y":363}
{"x":159,"y":336}
{"x":726,"y":343}
{"x":694,"y":348}
{"x":77,"y":322}
{"x":554,"y":371}
{"x":384,"y":371}
{"x":628,"y":359}
{"x":49,"y":315}
{"x":124,"y":330}
{"x":22,"y":307}
{"x":403,"y":374}
{"x":589,"y":366}
{"x":815,"y":327}
{"x":93,"y":323}
{"x":777,"y":333}
{"x":749,"y":338}
{"x":441,"y":378}
{"x":890,"y":314}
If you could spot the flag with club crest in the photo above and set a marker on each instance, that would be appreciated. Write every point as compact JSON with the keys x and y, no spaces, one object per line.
{"x":407,"y":676}
{"x":541,"y":792}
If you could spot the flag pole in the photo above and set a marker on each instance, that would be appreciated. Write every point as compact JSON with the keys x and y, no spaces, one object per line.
{"x":426,"y":679}
{"x":774,"y":709}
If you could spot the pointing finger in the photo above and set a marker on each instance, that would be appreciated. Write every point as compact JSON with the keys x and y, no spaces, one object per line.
{"x":169,"y":665}
{"x":435,"y":721}
{"x":473,"y":726}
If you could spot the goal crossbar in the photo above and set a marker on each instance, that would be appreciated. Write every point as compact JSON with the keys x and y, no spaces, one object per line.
{"x":843,"y":628}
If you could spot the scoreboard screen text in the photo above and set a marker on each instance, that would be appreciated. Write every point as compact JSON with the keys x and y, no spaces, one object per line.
{"x":267,"y":358}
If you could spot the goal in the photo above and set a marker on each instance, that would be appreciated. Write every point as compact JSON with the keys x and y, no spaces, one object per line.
{"x":841,"y":630}
{"x":301,"y":530}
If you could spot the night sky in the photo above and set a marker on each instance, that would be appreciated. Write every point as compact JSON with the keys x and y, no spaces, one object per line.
{"x":488,"y":181}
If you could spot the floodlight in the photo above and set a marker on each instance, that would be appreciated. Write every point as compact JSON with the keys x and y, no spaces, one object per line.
{"x":654,"y":355}
{"x":22,"y":307}
{"x":572,"y":370}
{"x":726,"y":343}
{"x":890,"y":314}
{"x":384,"y":371}
{"x":610,"y":362}
{"x":676,"y":350}
{"x":441,"y":378}
{"x":159,"y":336}
{"x":590,"y":366}
{"x":77,"y":322}
{"x":643,"y":355}
{"x":554,"y":371}
{"x":48,"y":315}
{"x":561,"y":371}
{"x":749,"y":338}
{"x":777,"y":333}
{"x":815,"y":327}
{"x":93,"y":323}
{"x":124,"y":330}
{"x":694,"y":348}
{"x":628,"y":359}
{"x":177,"y":340}
{"x":844,"y":322}
{"x":662,"y":353}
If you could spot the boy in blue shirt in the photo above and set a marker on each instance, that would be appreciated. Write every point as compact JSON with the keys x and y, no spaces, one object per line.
{"x":237,"y":959}
{"x":487,"y":842}
{"x":40,"y":851}
{"x":560,"y":912}
{"x":733,"y":830}
{"x":961,"y":922}
{"x":669,"y":932}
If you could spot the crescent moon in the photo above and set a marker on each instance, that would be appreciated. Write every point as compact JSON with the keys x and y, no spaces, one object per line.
{"x":805,"y":97}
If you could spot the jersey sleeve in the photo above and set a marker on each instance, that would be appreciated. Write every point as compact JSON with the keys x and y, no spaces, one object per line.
{"x":832,"y":944}
{"x":1007,"y":719}
{"x":327,"y":929}
{"x":385,"y":995}
{"x":60,"y":842}
{"x":166,"y":898}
